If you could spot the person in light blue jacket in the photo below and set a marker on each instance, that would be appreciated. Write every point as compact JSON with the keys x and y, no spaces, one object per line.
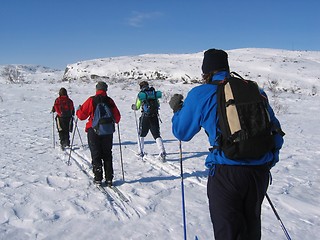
{"x":236,"y":187}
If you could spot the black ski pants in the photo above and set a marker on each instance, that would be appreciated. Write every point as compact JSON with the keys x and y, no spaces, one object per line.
{"x":147,"y":123}
{"x":235,"y":196}
{"x":101,"y":155}
{"x":63,"y":126}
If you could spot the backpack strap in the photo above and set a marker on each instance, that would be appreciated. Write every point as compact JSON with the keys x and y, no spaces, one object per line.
{"x":60,"y":105}
{"x":238,"y":75}
{"x":69,"y":105}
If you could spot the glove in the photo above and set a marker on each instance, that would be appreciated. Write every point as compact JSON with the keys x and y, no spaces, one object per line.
{"x":176,"y":102}
{"x":52,"y":110}
{"x":78,"y":107}
{"x":134,"y":107}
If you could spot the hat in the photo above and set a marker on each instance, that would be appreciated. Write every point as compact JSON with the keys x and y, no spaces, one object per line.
{"x":143,"y":84}
{"x":102,"y":86}
{"x":214,"y":59}
{"x":63,"y":92}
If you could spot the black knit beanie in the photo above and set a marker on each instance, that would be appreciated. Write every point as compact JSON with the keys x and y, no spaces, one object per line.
{"x":213,"y":60}
{"x":102,"y":86}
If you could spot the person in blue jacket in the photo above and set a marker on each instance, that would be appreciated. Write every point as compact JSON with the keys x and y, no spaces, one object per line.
{"x":235,"y":188}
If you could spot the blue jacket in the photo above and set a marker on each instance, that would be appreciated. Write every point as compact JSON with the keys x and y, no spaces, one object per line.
{"x":199,"y":110}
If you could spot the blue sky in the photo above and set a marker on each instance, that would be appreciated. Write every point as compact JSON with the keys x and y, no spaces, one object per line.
{"x":55,"y":33}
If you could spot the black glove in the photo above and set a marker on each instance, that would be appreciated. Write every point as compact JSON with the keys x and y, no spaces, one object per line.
{"x":52,"y":110}
{"x":134,"y":107}
{"x":176,"y":102}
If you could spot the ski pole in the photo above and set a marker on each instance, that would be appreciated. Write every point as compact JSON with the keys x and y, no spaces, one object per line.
{"x":278,"y":217}
{"x":79,"y":135}
{"x":120,"y":151}
{"x":53,"y":136}
{"x":159,"y":117}
{"x":74,"y":131}
{"x":135,"y":115}
{"x":182,"y":193}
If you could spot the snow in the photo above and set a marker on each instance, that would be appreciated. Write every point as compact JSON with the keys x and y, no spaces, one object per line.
{"x":44,"y":198}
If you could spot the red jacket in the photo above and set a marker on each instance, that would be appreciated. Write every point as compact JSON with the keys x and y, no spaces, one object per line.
{"x":63,"y":103}
{"x":86,"y":110}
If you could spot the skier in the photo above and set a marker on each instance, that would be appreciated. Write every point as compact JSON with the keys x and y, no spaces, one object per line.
{"x":147,"y":99}
{"x":64,"y":108}
{"x":100,"y":145}
{"x":236,"y":188}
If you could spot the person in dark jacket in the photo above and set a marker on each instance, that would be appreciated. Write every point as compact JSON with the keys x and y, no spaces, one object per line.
{"x":64,"y":108}
{"x":100,"y":146}
{"x":235,"y":188}
{"x":149,"y":119}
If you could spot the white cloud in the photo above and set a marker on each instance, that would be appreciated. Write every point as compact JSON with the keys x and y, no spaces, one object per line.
{"x":139,"y":18}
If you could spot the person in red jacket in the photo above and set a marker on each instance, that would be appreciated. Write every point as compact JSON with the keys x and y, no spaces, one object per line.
{"x":100,"y":145}
{"x":64,"y":108}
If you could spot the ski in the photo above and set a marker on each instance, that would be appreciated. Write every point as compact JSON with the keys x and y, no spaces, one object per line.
{"x":119,"y":193}
{"x":147,"y":156}
{"x":103,"y":187}
{"x":99,"y":187}
{"x":105,"y":192}
{"x":160,"y":158}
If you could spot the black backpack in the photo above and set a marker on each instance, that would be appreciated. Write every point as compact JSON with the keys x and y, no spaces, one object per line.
{"x":150,"y":104}
{"x":103,"y":122}
{"x":246,"y":130}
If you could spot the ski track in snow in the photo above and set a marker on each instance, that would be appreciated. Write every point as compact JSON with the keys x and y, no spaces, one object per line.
{"x":120,"y":207}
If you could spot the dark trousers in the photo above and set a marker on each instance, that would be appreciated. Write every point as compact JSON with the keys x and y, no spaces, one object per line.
{"x":101,"y":155}
{"x":147,"y":123}
{"x":235,"y":196}
{"x":63,"y":126}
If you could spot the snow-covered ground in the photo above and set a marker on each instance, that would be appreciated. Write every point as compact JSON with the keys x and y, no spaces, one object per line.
{"x":44,"y":198}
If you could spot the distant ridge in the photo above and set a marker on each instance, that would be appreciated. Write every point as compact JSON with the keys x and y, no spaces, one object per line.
{"x":266,"y":66}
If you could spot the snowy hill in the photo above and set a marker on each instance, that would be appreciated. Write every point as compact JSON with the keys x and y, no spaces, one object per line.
{"x":44,"y":198}
{"x":281,"y":67}
{"x":28,"y":74}
{"x":182,"y":67}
